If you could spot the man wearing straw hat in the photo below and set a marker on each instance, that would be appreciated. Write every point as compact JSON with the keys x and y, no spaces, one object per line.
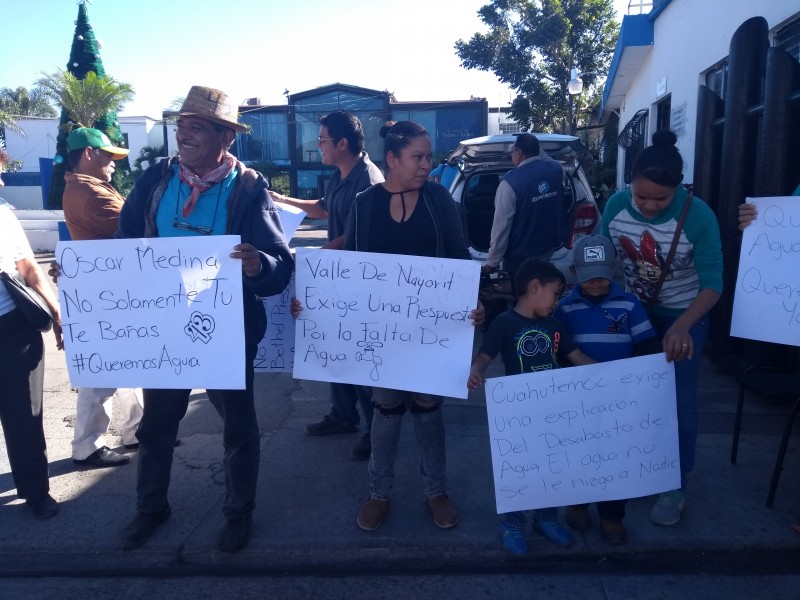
{"x":206,"y":191}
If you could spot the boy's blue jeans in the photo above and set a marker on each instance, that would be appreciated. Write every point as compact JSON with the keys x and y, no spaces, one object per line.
{"x":387,"y":420}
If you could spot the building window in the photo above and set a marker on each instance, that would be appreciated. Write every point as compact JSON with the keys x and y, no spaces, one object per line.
{"x":510,"y":128}
{"x":311,"y":183}
{"x":268,"y":140}
{"x":663,"y":113}
{"x":788,"y":39}
{"x":717,"y":78}
{"x":369,"y":109}
{"x":633,"y":139}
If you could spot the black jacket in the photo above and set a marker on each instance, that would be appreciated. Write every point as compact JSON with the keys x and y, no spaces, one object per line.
{"x":251,"y":214}
{"x":432,"y":197}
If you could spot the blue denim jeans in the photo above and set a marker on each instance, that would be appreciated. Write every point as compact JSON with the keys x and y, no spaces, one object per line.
{"x":344,"y":401}
{"x":158,"y":430}
{"x":686,"y":372}
{"x":429,"y":428}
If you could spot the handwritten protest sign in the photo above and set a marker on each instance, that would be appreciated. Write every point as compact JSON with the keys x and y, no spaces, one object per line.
{"x":276,"y":350}
{"x":399,"y":322}
{"x":606,"y":431}
{"x":766,"y":302}
{"x":158,"y":313}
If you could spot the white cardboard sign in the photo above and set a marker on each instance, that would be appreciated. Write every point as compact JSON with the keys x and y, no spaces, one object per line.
{"x":291,"y":217}
{"x":766,"y":303}
{"x":386,"y":320}
{"x":607,"y":431}
{"x":154,"y":313}
{"x":276,"y":349}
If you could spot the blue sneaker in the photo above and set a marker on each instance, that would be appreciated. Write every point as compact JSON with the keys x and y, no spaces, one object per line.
{"x":513,"y":537}
{"x":553,"y":531}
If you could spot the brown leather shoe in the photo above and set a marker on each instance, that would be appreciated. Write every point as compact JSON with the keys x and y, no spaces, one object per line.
{"x":444,"y":511}
{"x":372,"y":514}
{"x":578,"y":517}
{"x":613,"y":532}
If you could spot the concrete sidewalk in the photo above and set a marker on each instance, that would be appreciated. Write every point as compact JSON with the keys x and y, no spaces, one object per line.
{"x":310,"y":491}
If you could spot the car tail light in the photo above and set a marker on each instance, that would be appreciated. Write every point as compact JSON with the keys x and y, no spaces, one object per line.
{"x":586,"y":217}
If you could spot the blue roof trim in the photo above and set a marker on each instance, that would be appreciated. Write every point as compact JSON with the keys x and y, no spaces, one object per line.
{"x":636,"y":30}
{"x":657,"y":10}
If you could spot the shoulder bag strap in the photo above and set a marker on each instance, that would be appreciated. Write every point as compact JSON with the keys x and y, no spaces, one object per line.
{"x":667,"y":263}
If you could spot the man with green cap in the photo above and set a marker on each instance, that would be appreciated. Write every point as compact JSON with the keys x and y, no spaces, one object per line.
{"x":91,"y":210}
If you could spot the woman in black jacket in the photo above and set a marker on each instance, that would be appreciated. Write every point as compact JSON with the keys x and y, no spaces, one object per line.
{"x":407,"y":214}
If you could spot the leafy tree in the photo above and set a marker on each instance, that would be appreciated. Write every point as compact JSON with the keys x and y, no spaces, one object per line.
{"x":22,"y":103}
{"x":176,"y":104}
{"x":7,"y":122}
{"x":149,"y":155}
{"x":601,"y":170}
{"x":532,"y":45}
{"x":86,"y":100}
{"x":27,"y":103}
{"x":84,"y":59}
{"x":277,"y":176}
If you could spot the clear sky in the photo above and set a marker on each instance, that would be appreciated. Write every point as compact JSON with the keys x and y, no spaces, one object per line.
{"x":257,"y":48}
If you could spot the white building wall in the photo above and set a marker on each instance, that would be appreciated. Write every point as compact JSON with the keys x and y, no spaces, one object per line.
{"x":39,"y":140}
{"x":690,"y":37}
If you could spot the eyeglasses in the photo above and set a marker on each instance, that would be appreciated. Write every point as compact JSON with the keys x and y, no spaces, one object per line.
{"x":201,"y":229}
{"x":322,"y":139}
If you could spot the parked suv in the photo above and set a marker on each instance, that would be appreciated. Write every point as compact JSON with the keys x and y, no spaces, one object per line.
{"x":484,"y":162}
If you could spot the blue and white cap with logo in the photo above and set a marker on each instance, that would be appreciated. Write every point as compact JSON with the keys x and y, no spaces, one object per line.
{"x":594,"y":256}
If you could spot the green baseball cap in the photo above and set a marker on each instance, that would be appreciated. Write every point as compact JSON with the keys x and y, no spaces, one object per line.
{"x":86,"y":137}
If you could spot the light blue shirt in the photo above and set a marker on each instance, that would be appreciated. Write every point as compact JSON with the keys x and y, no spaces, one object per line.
{"x":210,"y":213}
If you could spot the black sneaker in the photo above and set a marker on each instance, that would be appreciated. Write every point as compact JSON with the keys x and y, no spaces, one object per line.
{"x":235,"y":534}
{"x":141,"y":527}
{"x":329,"y":427}
{"x":363,"y":448}
{"x":43,"y":507}
{"x":103,"y":457}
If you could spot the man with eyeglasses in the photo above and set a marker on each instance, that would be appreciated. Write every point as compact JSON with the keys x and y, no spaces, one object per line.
{"x":205,"y":190}
{"x":91,"y":210}
{"x":341,"y":145}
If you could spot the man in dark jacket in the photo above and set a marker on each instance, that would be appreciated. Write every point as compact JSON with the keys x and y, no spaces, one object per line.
{"x":206,"y":191}
{"x":341,"y":145}
{"x":529,"y":216}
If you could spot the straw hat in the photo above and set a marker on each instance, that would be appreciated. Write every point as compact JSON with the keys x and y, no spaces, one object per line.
{"x":212,"y":105}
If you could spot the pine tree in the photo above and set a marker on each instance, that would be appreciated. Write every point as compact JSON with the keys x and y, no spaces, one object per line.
{"x":83,"y":58}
